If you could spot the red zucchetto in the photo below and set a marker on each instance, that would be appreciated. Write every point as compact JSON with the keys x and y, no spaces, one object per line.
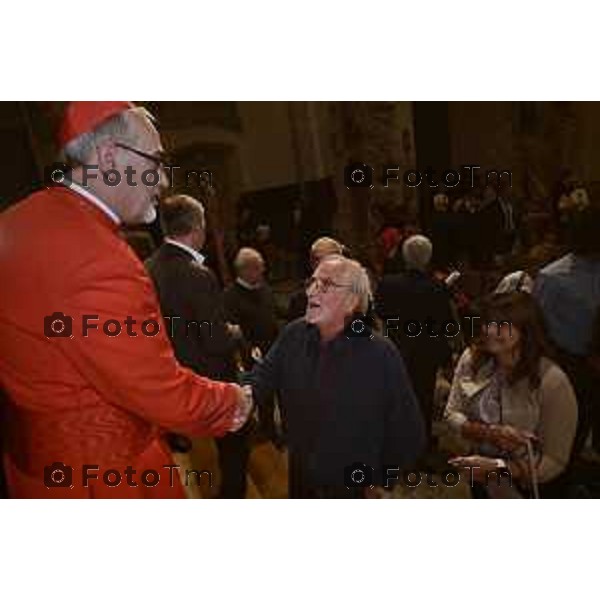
{"x":83,"y":117}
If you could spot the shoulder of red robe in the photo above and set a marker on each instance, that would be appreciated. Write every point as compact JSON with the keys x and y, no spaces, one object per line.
{"x":84,"y":117}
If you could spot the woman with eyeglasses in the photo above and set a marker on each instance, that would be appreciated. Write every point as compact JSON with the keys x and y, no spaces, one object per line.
{"x":511,"y":402}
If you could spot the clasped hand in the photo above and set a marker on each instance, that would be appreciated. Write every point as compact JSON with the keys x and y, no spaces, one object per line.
{"x":244,"y":407}
{"x":509,"y":438}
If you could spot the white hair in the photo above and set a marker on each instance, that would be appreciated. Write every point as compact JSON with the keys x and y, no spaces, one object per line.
{"x":119,"y":126}
{"x":417,"y":251}
{"x":246,"y":256}
{"x":357,"y":278}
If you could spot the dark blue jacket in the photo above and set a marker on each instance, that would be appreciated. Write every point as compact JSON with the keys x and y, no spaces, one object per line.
{"x":343,"y":402}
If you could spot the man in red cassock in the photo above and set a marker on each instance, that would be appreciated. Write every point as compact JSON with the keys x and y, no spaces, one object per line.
{"x":85,"y":356}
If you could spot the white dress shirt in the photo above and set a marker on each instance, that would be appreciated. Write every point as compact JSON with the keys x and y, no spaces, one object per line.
{"x":248,"y":286}
{"x":197,"y":256}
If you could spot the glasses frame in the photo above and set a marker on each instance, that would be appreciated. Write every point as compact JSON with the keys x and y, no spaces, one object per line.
{"x":159,"y":159}
{"x":326,"y":285}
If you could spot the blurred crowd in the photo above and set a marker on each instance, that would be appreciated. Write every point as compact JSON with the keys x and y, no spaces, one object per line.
{"x":491,"y":390}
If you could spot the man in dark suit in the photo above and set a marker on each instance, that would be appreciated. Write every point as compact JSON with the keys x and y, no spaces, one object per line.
{"x":192,"y":302}
{"x":443,"y":226}
{"x":414,"y":308}
{"x":498,"y":221}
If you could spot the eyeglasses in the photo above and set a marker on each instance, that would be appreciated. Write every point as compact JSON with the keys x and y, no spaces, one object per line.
{"x":159,"y":159}
{"x":324,"y":285}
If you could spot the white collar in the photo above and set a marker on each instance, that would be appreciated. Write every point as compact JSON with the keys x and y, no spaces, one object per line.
{"x":109,"y":212}
{"x":197,"y":256}
{"x":246,"y":285}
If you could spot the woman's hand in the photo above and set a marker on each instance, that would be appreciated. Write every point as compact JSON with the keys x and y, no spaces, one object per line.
{"x":506,"y":437}
{"x":509,"y":438}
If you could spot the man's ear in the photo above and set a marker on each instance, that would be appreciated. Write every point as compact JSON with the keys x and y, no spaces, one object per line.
{"x":106,"y":150}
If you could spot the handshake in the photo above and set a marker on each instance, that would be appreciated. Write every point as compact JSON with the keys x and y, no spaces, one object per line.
{"x":245,"y":406}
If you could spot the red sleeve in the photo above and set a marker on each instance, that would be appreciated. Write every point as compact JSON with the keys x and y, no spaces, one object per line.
{"x":138,"y":371}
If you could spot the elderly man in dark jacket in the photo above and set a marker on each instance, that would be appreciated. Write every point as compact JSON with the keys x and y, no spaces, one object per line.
{"x":345,"y":396}
{"x":417,"y":310}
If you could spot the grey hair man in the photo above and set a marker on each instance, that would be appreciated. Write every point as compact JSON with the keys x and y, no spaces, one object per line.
{"x":331,"y":312}
{"x":81,"y":392}
{"x":417,"y":311}
{"x":121,"y":162}
{"x":416,"y":252}
{"x":346,"y":399}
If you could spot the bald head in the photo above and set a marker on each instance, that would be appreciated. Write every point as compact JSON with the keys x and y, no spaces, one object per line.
{"x":416,"y":252}
{"x":249,"y":266}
